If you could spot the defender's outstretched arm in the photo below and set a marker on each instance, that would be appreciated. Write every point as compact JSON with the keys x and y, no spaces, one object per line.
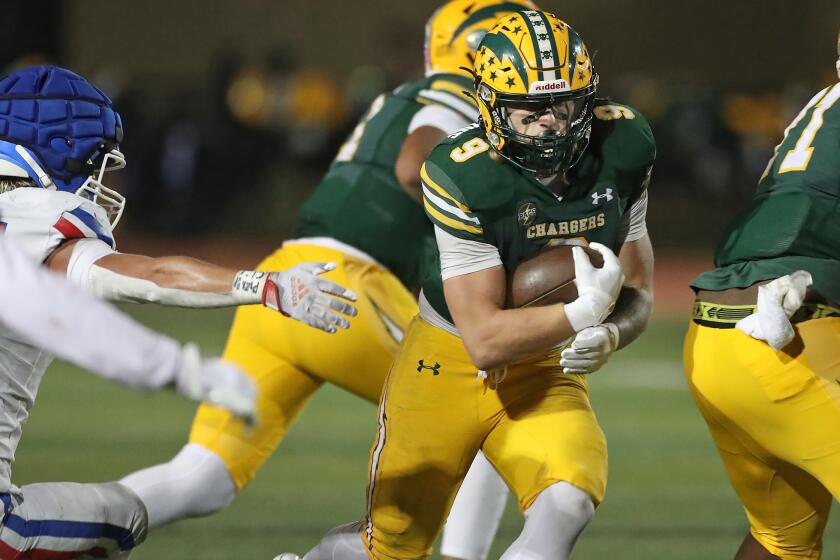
{"x":67,"y":322}
{"x":186,"y":282}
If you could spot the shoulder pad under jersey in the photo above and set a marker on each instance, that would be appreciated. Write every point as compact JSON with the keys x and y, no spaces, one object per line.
{"x":40,"y":220}
{"x":623,"y":135}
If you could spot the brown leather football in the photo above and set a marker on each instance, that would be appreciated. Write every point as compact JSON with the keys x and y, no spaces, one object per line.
{"x":547,"y":277}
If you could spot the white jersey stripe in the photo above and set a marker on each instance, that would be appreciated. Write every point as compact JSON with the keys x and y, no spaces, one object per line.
{"x":446,"y":207}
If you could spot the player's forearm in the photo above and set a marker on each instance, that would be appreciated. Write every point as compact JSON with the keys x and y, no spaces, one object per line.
{"x":186,"y":273}
{"x":508,"y":336}
{"x":631,"y":314}
{"x":174,"y":272}
{"x":174,"y":281}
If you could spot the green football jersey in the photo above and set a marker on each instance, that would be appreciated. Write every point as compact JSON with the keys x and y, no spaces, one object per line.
{"x":360,"y":202}
{"x":472,"y":193}
{"x":793,"y":222}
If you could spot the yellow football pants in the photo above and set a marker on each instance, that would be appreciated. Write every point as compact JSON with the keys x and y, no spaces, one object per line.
{"x":535,"y":425}
{"x":289,"y":361}
{"x":775,"y":417}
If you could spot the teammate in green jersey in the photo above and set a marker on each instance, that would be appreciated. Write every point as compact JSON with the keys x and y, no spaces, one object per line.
{"x":548,"y":164}
{"x":761,"y":352}
{"x":366,"y":217}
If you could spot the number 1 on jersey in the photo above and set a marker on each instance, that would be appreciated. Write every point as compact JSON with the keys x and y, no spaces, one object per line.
{"x":798,"y":158}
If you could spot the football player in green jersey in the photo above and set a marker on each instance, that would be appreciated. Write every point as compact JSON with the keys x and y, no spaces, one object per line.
{"x":365,"y":216}
{"x":548,"y":164}
{"x":761,"y":351}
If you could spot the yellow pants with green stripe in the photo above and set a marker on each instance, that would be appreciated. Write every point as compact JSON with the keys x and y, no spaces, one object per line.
{"x":535,"y":425}
{"x":775,"y":417}
{"x":289,"y":361}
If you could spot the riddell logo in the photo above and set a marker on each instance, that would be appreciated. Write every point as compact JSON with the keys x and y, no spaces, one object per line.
{"x":554,"y":85}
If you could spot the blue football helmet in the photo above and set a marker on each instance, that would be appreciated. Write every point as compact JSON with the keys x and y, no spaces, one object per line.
{"x":61,"y":132}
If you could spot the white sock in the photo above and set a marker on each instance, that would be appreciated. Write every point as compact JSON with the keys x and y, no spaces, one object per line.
{"x":552,"y":524}
{"x":195,"y":482}
{"x":476,"y":513}
{"x":342,"y":543}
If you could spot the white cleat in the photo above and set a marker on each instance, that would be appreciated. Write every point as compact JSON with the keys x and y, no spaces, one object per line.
{"x":287,"y":556}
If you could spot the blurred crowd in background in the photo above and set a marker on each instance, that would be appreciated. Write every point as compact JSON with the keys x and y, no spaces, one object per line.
{"x":260,"y":131}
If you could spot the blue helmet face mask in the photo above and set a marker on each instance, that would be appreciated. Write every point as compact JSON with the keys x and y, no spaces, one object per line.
{"x":61,"y":132}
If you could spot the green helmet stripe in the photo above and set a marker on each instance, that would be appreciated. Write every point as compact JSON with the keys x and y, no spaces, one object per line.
{"x":489,"y":12}
{"x":501,"y":45}
{"x":574,"y":44}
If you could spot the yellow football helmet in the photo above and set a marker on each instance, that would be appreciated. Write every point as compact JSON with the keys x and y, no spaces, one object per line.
{"x":456,"y":28}
{"x":532,"y":60}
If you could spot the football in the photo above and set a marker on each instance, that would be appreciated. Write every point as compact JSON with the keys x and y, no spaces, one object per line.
{"x":547,"y":277}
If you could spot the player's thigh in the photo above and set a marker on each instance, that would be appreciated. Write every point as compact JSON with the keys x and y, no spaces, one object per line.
{"x":547,"y":433}
{"x":428,"y":435}
{"x":283,"y":392}
{"x":360,"y":357}
{"x":356,"y":359}
{"x":787,"y":507}
{"x":93,"y":520}
{"x":744,"y":391}
{"x":787,"y":402}
{"x":808,"y":434}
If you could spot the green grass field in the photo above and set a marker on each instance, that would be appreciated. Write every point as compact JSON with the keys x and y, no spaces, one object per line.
{"x":668,"y":497}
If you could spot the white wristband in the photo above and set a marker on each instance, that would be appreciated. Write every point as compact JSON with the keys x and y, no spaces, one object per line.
{"x":248,"y":286}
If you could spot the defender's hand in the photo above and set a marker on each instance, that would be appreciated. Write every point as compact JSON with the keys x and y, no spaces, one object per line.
{"x":299,"y":293}
{"x":217,"y":382}
{"x":777,"y":301}
{"x":590,"y":349}
{"x":597,"y":288}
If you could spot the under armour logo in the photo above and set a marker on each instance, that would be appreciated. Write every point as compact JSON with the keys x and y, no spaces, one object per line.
{"x":596,"y":198}
{"x":421,"y":366}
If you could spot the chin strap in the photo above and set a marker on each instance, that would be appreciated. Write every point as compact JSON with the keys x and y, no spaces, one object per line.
{"x":43,"y":178}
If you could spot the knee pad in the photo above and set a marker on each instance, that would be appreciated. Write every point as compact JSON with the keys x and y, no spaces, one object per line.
{"x":562,"y":498}
{"x":552,"y":524}
{"x":194,"y":483}
{"x":204,"y":474}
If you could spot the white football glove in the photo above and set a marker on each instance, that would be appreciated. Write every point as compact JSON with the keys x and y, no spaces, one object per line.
{"x":217,"y":382}
{"x":777,"y":301}
{"x":299,"y":293}
{"x":597,"y":288}
{"x":590,"y":349}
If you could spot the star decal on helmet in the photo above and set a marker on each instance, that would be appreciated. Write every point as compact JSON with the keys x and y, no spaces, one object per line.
{"x":493,"y":75}
{"x":481,"y":68}
{"x":512,"y":19}
{"x":517,"y":29}
{"x":491,"y":60}
{"x":510,"y":81}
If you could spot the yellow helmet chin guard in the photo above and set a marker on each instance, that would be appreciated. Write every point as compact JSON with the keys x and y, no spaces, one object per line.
{"x":456,"y":28}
